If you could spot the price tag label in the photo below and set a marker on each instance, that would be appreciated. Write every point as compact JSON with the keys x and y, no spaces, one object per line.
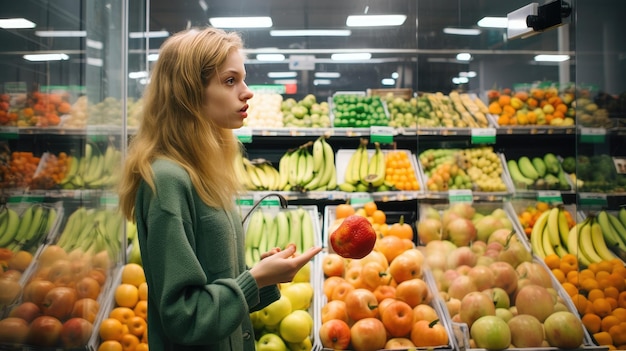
{"x":245,"y":201}
{"x":483,"y":135}
{"x":592,"y":199}
{"x":460,"y":196}
{"x":381,"y":134}
{"x":244,"y":134}
{"x":593,"y":135}
{"x":26,"y":199}
{"x":551,"y":197}
{"x":360,"y":198}
{"x":109,"y":202}
{"x":7,"y":133}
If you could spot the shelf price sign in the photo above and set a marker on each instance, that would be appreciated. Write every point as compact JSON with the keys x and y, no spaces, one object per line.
{"x":551,"y":197}
{"x":244,"y":134}
{"x":592,"y":135}
{"x":381,"y":134}
{"x":360,"y":198}
{"x":460,"y":196}
{"x":483,"y":136}
{"x":594,"y":200}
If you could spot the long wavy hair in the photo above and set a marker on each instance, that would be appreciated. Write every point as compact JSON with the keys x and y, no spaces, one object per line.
{"x":174,"y":125}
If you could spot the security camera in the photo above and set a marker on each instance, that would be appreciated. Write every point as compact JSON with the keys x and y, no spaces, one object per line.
{"x":534,"y":18}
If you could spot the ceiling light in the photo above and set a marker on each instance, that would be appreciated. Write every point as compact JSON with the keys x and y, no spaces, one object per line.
{"x":551,"y":58}
{"x":282,"y":74}
{"x":270,"y":57}
{"x":460,"y":80}
{"x":388,"y":81}
{"x":137,"y":75}
{"x":470,"y":74}
{"x":463,"y":56}
{"x":241,"y":22}
{"x":375,"y":20}
{"x":395,"y":75}
{"x":61,"y":33}
{"x":153,"y":34}
{"x":462,"y":31}
{"x":153,"y":57}
{"x":322,"y":82}
{"x":46,"y":57}
{"x":327,"y":74}
{"x":311,"y":33}
{"x":493,"y":22}
{"x":16,"y":23}
{"x":286,"y":81}
{"x":351,"y":56}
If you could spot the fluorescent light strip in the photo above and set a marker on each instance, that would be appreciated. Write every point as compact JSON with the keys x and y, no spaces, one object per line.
{"x":137,"y":75}
{"x":388,"y":81}
{"x":375,"y":20}
{"x":46,"y":57}
{"x":16,"y":23}
{"x":241,"y":22}
{"x":286,"y":81}
{"x":270,"y":57}
{"x":322,"y":82}
{"x":493,"y":22}
{"x":153,"y":57}
{"x":311,"y":33}
{"x":470,"y":74}
{"x":327,"y":74}
{"x":61,"y":33}
{"x":153,"y":34}
{"x":551,"y":58}
{"x":351,"y":56}
{"x":463,"y":56}
{"x":282,"y":74}
{"x":462,"y":31}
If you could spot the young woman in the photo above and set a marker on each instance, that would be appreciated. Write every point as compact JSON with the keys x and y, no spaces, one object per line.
{"x":179,"y":186}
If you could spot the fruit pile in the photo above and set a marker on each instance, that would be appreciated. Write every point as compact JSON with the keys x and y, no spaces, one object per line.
{"x":307,"y":112}
{"x":476,"y":169}
{"x":528,"y":216}
{"x":381,"y":300}
{"x":126,"y":326}
{"x":599,"y":294}
{"x":597,"y":173}
{"x":265,"y":111}
{"x":400,"y":172}
{"x":365,"y":172}
{"x":19,"y":171}
{"x":25,"y":229}
{"x":489,"y":280}
{"x":59,"y":300}
{"x":358,"y":111}
{"x":538,"y":173}
{"x":536,"y":106}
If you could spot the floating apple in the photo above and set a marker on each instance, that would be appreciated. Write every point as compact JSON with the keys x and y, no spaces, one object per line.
{"x":354,"y":237}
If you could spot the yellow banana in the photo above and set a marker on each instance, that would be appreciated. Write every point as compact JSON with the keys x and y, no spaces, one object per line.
{"x":377,"y":167}
{"x":355,"y":168}
{"x":294,"y":165}
{"x":306,"y":173}
{"x":13,"y":222}
{"x":364,"y":164}
{"x":329,"y":163}
{"x":553,"y":226}
{"x":295,"y":229}
{"x":599,"y":244}
{"x":242,"y":174}
{"x":536,"y":235}
{"x":547,"y":245}
{"x":283,"y":170}
{"x":318,"y":154}
{"x":563,"y":227}
{"x":572,"y":243}
{"x":282,"y":229}
{"x":585,"y":244}
{"x":254,"y":231}
{"x":611,"y":238}
{"x":308,"y":236}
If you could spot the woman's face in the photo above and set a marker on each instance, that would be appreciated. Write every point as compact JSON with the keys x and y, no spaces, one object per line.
{"x":226,"y":97}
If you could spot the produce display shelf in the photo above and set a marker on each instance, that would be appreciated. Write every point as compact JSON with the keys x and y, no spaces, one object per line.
{"x":534,"y":193}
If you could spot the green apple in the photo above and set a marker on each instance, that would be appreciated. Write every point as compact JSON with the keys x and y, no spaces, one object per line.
{"x":305,"y":345}
{"x":300,"y":295}
{"x":296,"y":327}
{"x":271,"y":342}
{"x":303,"y":275}
{"x":273,"y":313}
{"x":257,"y":322}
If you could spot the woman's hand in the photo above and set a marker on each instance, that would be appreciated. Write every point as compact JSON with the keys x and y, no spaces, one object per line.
{"x":278,"y":266}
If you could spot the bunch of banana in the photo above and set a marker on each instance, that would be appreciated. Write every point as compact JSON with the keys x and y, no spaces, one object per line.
{"x":551,"y":233}
{"x":266,"y":230}
{"x":26,"y":231}
{"x":94,"y":169}
{"x":365,"y":173}
{"x":324,"y":173}
{"x":92,"y":230}
{"x":257,"y":175}
{"x":614,"y":230}
{"x":538,"y":173}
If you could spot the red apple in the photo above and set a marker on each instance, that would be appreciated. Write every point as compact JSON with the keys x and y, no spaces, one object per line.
{"x":368,"y":334}
{"x":335,"y":309}
{"x":13,"y":330}
{"x":335,"y":334}
{"x":526,"y":331}
{"x":429,"y":229}
{"x":505,"y":276}
{"x":28,"y":311}
{"x":59,"y":302}
{"x":535,"y":272}
{"x":44,"y":331}
{"x":461,"y":231}
{"x":36,"y":290}
{"x":486,"y":225}
{"x":564,"y":330}
{"x":482,"y":276}
{"x":535,"y":300}
{"x":76,"y":332}
{"x":86,"y":308}
{"x":361,"y":303}
{"x":475,"y":305}
{"x":354,"y":238}
{"x":461,"y":286}
{"x":462,"y":256}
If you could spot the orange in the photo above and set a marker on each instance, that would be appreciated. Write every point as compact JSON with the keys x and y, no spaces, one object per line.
{"x":603,"y":338}
{"x":612,"y":292}
{"x":580,"y":302}
{"x":594,"y":294}
{"x":20,"y":260}
{"x":122,"y":314}
{"x":129,"y":342}
{"x":110,"y":345}
{"x":553,"y":261}
{"x":370,"y":207}
{"x":608,"y":322}
{"x":137,"y":326}
{"x":111,"y":329}
{"x":142,"y":346}
{"x":379,"y":217}
{"x":570,"y":288}
{"x":344,"y":210}
{"x":133,"y":273}
{"x":141,"y":309}
{"x":620,"y":313}
{"x":592,"y":322}
{"x":601,"y":307}
{"x":558,"y":274}
{"x":143,"y":291}
{"x":126,"y":295}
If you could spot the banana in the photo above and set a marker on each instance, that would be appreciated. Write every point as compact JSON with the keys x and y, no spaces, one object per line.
{"x":242,"y":174}
{"x":318,"y":154}
{"x":4,"y":215}
{"x":254,"y":231}
{"x":527,"y":168}
{"x":295,"y":229}
{"x":26,"y":220}
{"x":540,"y":166}
{"x":364,"y":163}
{"x":264,"y":243}
{"x":519,"y":180}
{"x":546,"y":244}
{"x":283,"y":170}
{"x":573,"y":240}
{"x":332,"y":183}
{"x":355,"y":166}
{"x":622,"y":216}
{"x":376,"y":169}
{"x":599,"y":244}
{"x":563,"y":227}
{"x":71,"y":170}
{"x":536,"y":235}
{"x":282,"y":229}
{"x":552,"y":226}
{"x":294,"y":159}
{"x":308,"y":236}
{"x":612,"y":239}
{"x":552,"y":163}
{"x":328,"y":167}
{"x":85,"y":159}
{"x":36,"y":224}
{"x":309,"y":162}
{"x":617,"y":225}
{"x":347,"y":187}
{"x":13,"y":222}
{"x":255,"y":177}
{"x":585,"y":243}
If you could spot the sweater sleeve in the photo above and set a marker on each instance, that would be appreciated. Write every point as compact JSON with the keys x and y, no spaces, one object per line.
{"x":193,"y":309}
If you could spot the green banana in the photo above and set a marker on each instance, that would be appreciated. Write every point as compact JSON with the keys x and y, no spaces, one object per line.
{"x":329,"y":163}
{"x":318,"y":154}
{"x":622,"y":216}
{"x":347,"y":187}
{"x":282,"y":229}
{"x":527,"y":168}
{"x":539,"y":165}
{"x":599,"y":244}
{"x":265,"y":233}
{"x":4,"y":214}
{"x":308,"y":236}
{"x":36,"y":222}
{"x":71,"y":171}
{"x":563,"y":180}
{"x":617,"y":225}
{"x":295,"y":229}
{"x":13,"y":222}
{"x":26,"y":220}
{"x":552,"y":163}
{"x":283,"y":170}
{"x":612,"y":239}
{"x":332,"y":183}
{"x":573,"y":240}
{"x":254,"y":230}
{"x":306,"y":174}
{"x":376,"y":169}
{"x":518,"y":178}
{"x":294,"y":159}
{"x":586,"y":245}
{"x":364,"y":163}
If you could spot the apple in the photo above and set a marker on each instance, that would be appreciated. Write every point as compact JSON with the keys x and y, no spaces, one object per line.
{"x":9,"y":291}
{"x":368,"y":334}
{"x":504,"y":313}
{"x":273,"y":313}
{"x":463,"y":209}
{"x":36,"y":290}
{"x":296,"y":326}
{"x":475,"y":305}
{"x":304,"y":345}
{"x":478,"y":247}
{"x":398,"y":318}
{"x":482,"y":276}
{"x":486,"y":225}
{"x":76,"y":332}
{"x":335,"y":309}
{"x":462,"y":255}
{"x":86,"y":308}
{"x":526,"y":331}
{"x":453,"y":305}
{"x":429,"y":229}
{"x":429,"y":212}
{"x":534,"y":300}
{"x":354,"y":238}
{"x":399,"y":343}
{"x":515,"y":253}
{"x":461,"y":286}
{"x":563,"y":329}
{"x":491,"y":333}
{"x":300,"y":295}
{"x":271,"y":342}
{"x":501,"y":236}
{"x":59,"y":302}
{"x":335,"y":334}
{"x":333,"y":265}
{"x":361,"y":303}
{"x":499,"y":296}
{"x":44,"y":331}
{"x":13,"y":330}
{"x":505,"y":276}
{"x":535,"y":272}
{"x":28,"y":311}
{"x":406,"y":266}
{"x":460,"y":231}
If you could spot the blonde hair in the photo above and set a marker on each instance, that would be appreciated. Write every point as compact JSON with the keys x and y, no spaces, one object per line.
{"x":174,"y":125}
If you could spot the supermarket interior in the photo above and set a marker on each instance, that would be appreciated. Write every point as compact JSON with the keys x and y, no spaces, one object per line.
{"x":483,"y":141}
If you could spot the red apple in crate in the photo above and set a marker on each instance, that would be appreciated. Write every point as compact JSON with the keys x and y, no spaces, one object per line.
{"x":368,"y":334}
{"x":76,"y":332}
{"x":474,"y":305}
{"x":335,"y":334}
{"x":59,"y":302}
{"x":534,"y":300}
{"x":44,"y":331}
{"x":461,"y":231}
{"x":13,"y":330}
{"x":526,"y":331}
{"x":564,"y":330}
{"x":354,"y":237}
{"x":28,"y":311}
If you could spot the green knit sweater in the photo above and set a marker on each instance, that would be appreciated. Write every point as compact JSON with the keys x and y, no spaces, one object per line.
{"x":200,"y":291}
